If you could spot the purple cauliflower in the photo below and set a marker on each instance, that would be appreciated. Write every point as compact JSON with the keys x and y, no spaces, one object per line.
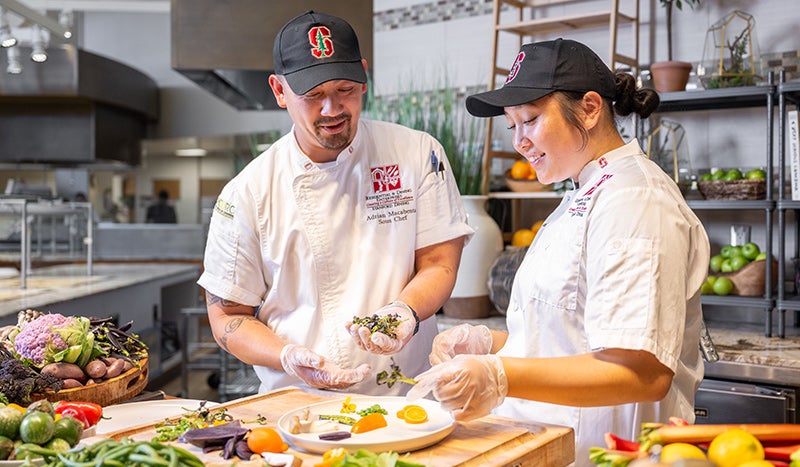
{"x":54,"y":338}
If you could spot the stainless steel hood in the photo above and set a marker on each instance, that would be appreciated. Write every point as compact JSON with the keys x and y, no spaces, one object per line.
{"x":77,"y":107}
{"x":225,"y":46}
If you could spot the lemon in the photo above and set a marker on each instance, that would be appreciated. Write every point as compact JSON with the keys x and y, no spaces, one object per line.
{"x":677,"y":451}
{"x":522,"y":238}
{"x":734,"y":447}
{"x":536,"y":226}
{"x":757,"y":464}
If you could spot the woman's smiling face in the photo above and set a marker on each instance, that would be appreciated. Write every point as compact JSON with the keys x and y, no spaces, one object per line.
{"x":546,"y":139}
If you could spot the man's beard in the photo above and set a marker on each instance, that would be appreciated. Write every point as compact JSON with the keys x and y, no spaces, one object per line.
{"x":336,"y":141}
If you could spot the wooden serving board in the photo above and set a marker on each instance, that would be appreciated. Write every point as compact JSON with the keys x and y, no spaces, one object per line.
{"x":489,"y":441}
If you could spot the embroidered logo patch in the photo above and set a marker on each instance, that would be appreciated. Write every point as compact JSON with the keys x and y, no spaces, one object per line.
{"x":385,"y":178}
{"x":602,"y":161}
{"x":224,"y":208}
{"x":321,"y":44}
{"x":512,"y":73}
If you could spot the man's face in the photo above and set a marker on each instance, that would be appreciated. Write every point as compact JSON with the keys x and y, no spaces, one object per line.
{"x":325,"y":118}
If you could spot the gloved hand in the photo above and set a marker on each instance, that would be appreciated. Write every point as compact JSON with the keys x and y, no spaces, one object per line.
{"x":383,"y":344}
{"x":312,"y":368}
{"x":469,"y":385}
{"x":461,"y":339}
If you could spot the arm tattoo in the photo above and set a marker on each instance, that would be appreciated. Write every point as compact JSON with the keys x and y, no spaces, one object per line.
{"x":211,"y":299}
{"x":231,"y":326}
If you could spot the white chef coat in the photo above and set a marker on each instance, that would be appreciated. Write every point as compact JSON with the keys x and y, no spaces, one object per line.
{"x":618,"y":264}
{"x":313,"y":245}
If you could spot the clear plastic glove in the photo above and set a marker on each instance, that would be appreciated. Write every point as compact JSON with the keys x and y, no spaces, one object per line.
{"x":470,"y":386}
{"x":461,"y":339}
{"x":312,"y":368}
{"x":380,"y":343}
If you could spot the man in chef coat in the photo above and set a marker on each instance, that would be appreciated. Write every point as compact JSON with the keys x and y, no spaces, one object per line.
{"x":341,"y":217}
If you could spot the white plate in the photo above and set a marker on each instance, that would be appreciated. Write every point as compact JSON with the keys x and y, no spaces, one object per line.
{"x":397,"y":436}
{"x":121,"y":416}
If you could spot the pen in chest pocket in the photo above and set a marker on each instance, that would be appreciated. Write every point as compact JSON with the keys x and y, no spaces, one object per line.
{"x":437,"y":165}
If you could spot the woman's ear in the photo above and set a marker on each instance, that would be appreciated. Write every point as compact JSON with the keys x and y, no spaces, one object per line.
{"x":592,"y":109}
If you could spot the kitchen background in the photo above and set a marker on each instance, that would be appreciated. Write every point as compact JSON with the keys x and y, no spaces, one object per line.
{"x":414,"y":45}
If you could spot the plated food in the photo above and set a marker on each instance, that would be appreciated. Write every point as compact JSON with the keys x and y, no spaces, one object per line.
{"x":406,"y":428}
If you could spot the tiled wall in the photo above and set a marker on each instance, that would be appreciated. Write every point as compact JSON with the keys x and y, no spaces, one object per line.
{"x":399,"y":17}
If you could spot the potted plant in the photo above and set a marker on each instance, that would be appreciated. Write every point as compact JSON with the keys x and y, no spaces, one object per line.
{"x":442,"y":113}
{"x":731,"y":53}
{"x":671,"y":75}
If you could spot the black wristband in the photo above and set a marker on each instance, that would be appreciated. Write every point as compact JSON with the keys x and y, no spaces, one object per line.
{"x":414,"y":313}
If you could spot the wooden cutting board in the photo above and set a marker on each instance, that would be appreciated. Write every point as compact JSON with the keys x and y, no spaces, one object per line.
{"x":489,"y":441}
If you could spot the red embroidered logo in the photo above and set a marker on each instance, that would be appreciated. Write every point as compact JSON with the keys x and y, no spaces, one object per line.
{"x":512,"y":73}
{"x":321,"y":44}
{"x":599,"y":182}
{"x":602,"y":161}
{"x":385,"y":178}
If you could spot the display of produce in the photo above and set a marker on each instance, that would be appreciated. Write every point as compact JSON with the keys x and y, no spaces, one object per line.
{"x":727,"y":445}
{"x":737,"y":270}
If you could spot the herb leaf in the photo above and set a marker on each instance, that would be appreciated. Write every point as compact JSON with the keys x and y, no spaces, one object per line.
{"x":395,"y":376}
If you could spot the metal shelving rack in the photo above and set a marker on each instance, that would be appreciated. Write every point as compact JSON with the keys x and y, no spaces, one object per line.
{"x":787,"y":93}
{"x":730,"y":98}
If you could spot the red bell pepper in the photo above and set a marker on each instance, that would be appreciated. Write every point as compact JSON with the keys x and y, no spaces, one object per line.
{"x":616,"y":443}
{"x":88,"y":411}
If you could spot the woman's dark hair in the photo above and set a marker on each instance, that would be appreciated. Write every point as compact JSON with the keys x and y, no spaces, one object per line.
{"x":628,"y":100}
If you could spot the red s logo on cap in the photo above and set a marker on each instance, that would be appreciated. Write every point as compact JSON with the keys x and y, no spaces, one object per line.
{"x":512,"y":73}
{"x":321,"y":44}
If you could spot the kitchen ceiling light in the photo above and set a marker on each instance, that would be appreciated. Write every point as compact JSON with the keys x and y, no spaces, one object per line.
{"x":191,"y":152}
{"x":14,"y":66}
{"x":6,"y":39}
{"x":38,"y":55}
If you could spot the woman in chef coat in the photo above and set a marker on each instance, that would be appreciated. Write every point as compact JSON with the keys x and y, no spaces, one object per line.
{"x":341,"y":217}
{"x":604,"y":316}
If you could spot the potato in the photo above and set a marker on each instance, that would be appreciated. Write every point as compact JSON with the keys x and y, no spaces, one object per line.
{"x":115,"y":369}
{"x":63,"y":370}
{"x":70,"y":383}
{"x":95,"y":369}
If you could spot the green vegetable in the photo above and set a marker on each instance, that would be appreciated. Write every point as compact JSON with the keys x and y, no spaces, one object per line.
{"x":127,"y":452}
{"x":37,"y":428}
{"x":385,"y":324}
{"x":202,"y":417}
{"x":366,"y":458}
{"x":53,"y":338}
{"x":375,"y":408}
{"x":343,"y":419}
{"x":396,"y":376}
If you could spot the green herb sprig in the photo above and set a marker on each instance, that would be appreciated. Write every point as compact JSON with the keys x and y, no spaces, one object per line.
{"x":395,"y":376}
{"x":385,"y":324}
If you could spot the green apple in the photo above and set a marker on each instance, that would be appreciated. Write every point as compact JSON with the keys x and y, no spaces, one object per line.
{"x":735,"y":251}
{"x":707,"y":177}
{"x":750,"y":250}
{"x":723,"y":286}
{"x":755,"y":174}
{"x":707,"y":289}
{"x":715,"y":263}
{"x":738,"y":262}
{"x":718,"y":175}
{"x":725,"y":252}
{"x":733,"y":174}
{"x":726,"y":265}
{"x":711,"y":279}
{"x":762,"y":255}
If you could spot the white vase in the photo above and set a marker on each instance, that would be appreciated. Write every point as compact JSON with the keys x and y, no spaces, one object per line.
{"x":470,"y":297}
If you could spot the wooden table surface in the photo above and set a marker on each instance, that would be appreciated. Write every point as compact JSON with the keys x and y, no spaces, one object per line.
{"x":489,"y":441}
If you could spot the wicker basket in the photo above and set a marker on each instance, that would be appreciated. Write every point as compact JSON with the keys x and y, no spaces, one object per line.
{"x":751,"y":279}
{"x":525,"y":185}
{"x":108,"y":392}
{"x":733,"y":189}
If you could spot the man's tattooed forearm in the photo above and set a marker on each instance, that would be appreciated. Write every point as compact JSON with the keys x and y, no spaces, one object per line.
{"x":211,"y":298}
{"x":230,"y":327}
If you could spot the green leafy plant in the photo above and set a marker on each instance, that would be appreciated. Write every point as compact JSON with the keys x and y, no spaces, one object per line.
{"x":442,"y":114}
{"x":395,"y":376}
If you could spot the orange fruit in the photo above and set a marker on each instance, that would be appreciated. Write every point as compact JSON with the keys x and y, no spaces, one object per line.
{"x":734,"y":447}
{"x":521,"y":170}
{"x":522,"y":237}
{"x":265,"y":439}
{"x":536,"y":226}
{"x":413,"y":414}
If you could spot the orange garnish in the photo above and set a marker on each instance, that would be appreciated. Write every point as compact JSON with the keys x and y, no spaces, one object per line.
{"x":369,"y":422}
{"x":413,"y":414}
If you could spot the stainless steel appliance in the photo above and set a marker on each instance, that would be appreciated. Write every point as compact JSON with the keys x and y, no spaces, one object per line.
{"x":720,"y":401}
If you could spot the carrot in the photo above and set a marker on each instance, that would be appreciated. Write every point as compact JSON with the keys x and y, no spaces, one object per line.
{"x":705,"y":433}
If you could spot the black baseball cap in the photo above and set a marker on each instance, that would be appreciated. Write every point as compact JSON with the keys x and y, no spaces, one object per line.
{"x":541,"y":68}
{"x":314,"y":48}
